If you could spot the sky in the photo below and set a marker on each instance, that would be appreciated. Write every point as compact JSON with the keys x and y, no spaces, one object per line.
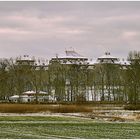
{"x":44,"y":29}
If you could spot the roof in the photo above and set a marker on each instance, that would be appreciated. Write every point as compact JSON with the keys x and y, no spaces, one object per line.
{"x":25,"y":58}
{"x":14,"y":97}
{"x":70,"y":54}
{"x":29,"y":92}
{"x":24,"y":96}
{"x":71,"y":57}
{"x":33,"y":92}
{"x":107,"y":55}
{"x":73,"y":53}
{"x":42,"y":92}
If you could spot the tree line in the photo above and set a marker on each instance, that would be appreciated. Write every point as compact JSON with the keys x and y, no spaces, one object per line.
{"x":74,"y":83}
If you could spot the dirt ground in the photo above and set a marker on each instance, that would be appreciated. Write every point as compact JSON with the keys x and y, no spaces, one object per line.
{"x":105,"y":115}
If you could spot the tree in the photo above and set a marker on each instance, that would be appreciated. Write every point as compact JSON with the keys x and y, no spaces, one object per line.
{"x":21,"y":76}
{"x":57,"y":79}
{"x":133,"y":77}
{"x":3,"y":79}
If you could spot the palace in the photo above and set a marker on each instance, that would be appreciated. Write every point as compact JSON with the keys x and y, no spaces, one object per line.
{"x":69,"y":89}
{"x":71,"y":57}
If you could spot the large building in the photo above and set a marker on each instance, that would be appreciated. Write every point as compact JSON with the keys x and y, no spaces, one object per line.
{"x":70,"y":57}
{"x":27,"y":60}
{"x":108,"y":58}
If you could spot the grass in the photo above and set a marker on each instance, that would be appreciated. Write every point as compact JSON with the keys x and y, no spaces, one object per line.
{"x":25,"y":127}
{"x":41,"y":118}
{"x":34,"y":108}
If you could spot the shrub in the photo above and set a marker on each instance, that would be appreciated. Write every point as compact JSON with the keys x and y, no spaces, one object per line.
{"x":34,"y":108}
{"x":132,"y":107}
{"x":71,"y":109}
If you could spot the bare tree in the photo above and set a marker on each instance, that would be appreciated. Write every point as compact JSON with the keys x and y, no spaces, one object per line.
{"x":133,"y":77}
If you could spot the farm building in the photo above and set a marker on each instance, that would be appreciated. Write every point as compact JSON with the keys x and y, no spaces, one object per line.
{"x":31,"y":96}
{"x":14,"y":98}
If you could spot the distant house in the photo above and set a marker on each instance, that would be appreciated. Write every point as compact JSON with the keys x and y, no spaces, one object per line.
{"x":30,"y":96}
{"x":14,"y":98}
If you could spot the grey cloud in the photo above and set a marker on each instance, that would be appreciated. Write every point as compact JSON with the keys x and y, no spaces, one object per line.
{"x":47,"y":28}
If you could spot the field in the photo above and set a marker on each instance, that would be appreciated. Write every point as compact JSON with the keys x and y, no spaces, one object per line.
{"x":43,"y":127}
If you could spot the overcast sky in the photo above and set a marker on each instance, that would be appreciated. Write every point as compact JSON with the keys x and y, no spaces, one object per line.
{"x":45,"y":29}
